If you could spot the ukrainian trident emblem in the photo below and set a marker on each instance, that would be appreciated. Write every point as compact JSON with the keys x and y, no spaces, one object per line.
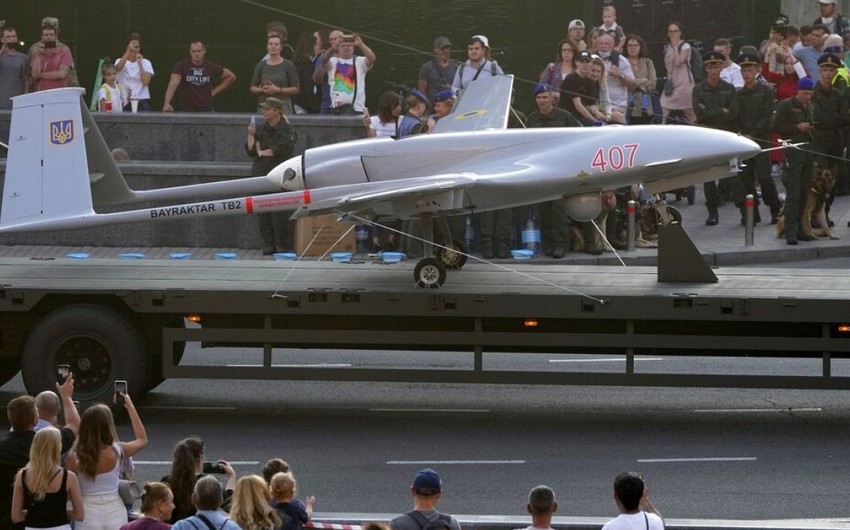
{"x":61,"y":132}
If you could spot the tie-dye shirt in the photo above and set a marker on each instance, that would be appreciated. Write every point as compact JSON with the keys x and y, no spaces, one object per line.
{"x":347,"y":80}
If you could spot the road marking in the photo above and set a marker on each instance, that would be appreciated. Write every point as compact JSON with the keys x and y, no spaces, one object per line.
{"x":177,"y":407}
{"x":453,"y":462}
{"x":316,"y":365}
{"x":168,"y":462}
{"x":431,"y":410}
{"x":800,"y":409}
{"x":704,"y":459}
{"x":611,"y":360}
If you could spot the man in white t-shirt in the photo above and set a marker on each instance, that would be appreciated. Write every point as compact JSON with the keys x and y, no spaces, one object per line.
{"x":542,"y":506}
{"x":636,"y":510}
{"x":347,"y":74}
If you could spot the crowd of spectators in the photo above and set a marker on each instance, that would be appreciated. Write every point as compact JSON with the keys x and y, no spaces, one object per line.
{"x":600,"y":74}
{"x":52,"y":475}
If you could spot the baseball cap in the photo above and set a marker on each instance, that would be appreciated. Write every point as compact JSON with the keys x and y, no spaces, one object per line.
{"x":584,"y":56}
{"x":427,"y":482}
{"x":576,"y":23}
{"x":442,"y":42}
{"x":807,"y":83}
{"x":484,"y":40}
{"x":273,"y":103}
{"x":826,"y":1}
{"x":829,"y":59}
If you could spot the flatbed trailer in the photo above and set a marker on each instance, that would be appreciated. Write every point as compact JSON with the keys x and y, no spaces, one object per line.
{"x":113,"y":319}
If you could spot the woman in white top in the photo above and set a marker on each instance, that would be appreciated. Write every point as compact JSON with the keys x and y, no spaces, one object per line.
{"x":386,"y":122}
{"x":135,"y":74}
{"x":96,"y":458}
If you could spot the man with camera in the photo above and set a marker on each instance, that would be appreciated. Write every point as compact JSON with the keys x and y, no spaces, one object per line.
{"x":14,"y":68}
{"x":51,"y":64}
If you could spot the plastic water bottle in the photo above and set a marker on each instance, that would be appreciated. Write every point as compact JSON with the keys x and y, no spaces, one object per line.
{"x":531,"y":234}
{"x":469,"y":234}
{"x":361,"y":234}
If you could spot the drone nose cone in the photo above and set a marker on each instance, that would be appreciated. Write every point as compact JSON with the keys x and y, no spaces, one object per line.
{"x":288,"y":175}
{"x":747,"y":148}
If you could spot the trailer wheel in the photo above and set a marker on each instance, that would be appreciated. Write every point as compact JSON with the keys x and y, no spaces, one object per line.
{"x":99,"y":343}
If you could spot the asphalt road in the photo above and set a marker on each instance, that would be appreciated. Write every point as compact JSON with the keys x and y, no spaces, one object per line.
{"x":706,"y":453}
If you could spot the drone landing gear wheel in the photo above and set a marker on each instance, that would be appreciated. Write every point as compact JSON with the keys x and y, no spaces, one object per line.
{"x":455,"y":256}
{"x":429,"y":273}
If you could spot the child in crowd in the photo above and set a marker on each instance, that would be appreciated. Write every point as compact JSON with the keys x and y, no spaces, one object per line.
{"x":283,"y":487}
{"x":609,"y":25}
{"x":110,"y":97}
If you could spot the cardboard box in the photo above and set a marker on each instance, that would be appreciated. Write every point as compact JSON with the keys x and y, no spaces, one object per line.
{"x":331,"y":231}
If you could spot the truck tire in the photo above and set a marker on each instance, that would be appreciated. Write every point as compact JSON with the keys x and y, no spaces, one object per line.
{"x":100,"y":344}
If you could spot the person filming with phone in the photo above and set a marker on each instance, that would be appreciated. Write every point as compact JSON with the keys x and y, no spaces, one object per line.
{"x":14,"y":68}
{"x":187,"y":467}
{"x":51,"y":65}
{"x":96,"y":458}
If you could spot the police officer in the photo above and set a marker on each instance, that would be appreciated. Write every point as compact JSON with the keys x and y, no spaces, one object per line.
{"x":755,"y":110}
{"x":829,"y":115}
{"x":715,"y":106}
{"x":792,"y":120}
{"x":554,"y":223}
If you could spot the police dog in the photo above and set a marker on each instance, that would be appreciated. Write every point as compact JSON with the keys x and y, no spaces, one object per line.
{"x":823,"y":181}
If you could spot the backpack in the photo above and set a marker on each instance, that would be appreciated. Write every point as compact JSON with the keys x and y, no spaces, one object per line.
{"x":695,"y":63}
{"x":442,"y":521}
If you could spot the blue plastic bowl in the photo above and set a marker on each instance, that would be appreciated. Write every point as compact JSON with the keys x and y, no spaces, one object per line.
{"x":392,"y":257}
{"x":78,"y":255}
{"x":224,"y":255}
{"x":341,"y":257}
{"x":180,"y":255}
{"x":522,"y":253}
{"x":132,"y":255}
{"x":285,"y":256}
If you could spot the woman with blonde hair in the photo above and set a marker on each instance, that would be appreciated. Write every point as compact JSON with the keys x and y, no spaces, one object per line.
{"x":157,"y":505}
{"x":96,"y":458}
{"x":251,"y":509}
{"x":42,"y":489}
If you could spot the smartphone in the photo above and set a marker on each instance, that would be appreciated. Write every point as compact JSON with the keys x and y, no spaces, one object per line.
{"x":120,"y":391}
{"x":213,"y":468}
{"x":50,"y":44}
{"x":62,"y":373}
{"x":253,"y":120}
{"x":348,"y":38}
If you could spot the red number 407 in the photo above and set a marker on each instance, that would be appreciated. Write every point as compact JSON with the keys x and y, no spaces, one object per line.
{"x":615,"y":158}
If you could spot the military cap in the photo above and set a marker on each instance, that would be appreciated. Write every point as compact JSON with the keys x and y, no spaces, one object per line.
{"x":713,"y":57}
{"x":829,"y":59}
{"x":748,"y":59}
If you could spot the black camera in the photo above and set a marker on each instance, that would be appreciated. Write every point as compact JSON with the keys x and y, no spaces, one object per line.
{"x":50,"y":44}
{"x":213,"y":468}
